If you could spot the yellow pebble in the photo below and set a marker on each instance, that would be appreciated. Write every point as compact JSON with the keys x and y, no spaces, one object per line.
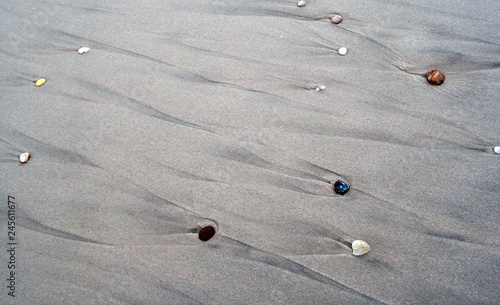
{"x":40,"y":82}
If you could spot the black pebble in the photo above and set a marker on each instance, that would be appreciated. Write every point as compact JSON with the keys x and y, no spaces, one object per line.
{"x":340,"y":187}
{"x":206,"y":233}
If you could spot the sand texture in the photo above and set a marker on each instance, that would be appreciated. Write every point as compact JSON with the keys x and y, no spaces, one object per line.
{"x":185,"y":114}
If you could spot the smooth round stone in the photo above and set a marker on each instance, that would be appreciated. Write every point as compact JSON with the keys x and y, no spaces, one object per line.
{"x":496,"y":150}
{"x":24,"y":157}
{"x":340,"y":187}
{"x":83,"y":50}
{"x":206,"y":233}
{"x":342,"y":51}
{"x":337,"y":19}
{"x":40,"y":82}
{"x":301,"y":3}
{"x":320,"y":88}
{"x":360,"y":248}
{"x":435,"y":77}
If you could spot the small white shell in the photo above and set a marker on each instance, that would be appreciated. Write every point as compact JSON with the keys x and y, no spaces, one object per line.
{"x":360,"y":248}
{"x":301,"y":3}
{"x":320,"y":88}
{"x":83,"y":50}
{"x":496,"y":149}
{"x":342,"y":51}
{"x":24,"y":157}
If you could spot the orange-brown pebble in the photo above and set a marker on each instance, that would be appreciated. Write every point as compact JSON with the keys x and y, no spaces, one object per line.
{"x":337,"y":19}
{"x":435,"y":77}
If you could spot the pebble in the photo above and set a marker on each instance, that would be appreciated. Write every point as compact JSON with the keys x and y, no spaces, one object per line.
{"x":497,"y":150}
{"x":24,"y":157}
{"x":337,"y":19}
{"x":301,"y":3}
{"x":320,"y":88}
{"x":360,"y":248}
{"x":340,"y":187}
{"x":342,"y":51}
{"x":83,"y":50}
{"x":40,"y":82}
{"x":206,"y":233}
{"x":435,"y":77}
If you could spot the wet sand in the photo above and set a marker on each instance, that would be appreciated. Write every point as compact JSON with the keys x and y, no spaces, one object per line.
{"x":196,"y":113}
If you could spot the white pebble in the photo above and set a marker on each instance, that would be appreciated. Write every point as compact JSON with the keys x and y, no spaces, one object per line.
{"x":360,"y":248}
{"x":497,"y":150}
{"x":342,"y":51}
{"x":24,"y":157}
{"x":301,"y":3}
{"x":337,"y":19}
{"x":83,"y":50}
{"x":320,"y":88}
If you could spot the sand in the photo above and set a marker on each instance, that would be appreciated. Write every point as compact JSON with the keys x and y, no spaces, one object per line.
{"x":185,"y":114}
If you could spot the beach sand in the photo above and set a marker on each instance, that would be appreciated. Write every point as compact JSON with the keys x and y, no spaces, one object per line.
{"x":185,"y":114}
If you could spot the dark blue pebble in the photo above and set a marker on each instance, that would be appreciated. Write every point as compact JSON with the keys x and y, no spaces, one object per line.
{"x":340,"y":187}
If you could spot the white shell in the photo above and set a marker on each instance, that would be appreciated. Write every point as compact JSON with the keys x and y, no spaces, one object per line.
{"x":83,"y":50}
{"x":301,"y":3}
{"x":24,"y":157}
{"x":342,"y":51}
{"x":360,"y":248}
{"x":320,"y":88}
{"x":497,"y":150}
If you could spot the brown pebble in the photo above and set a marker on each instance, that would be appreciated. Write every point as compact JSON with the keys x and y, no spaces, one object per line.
{"x":206,"y":233}
{"x":337,"y":19}
{"x":435,"y":77}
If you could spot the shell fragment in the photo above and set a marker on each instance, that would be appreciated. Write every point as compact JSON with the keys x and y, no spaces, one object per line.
{"x":360,"y":248}
{"x":24,"y":157}
{"x":83,"y":50}
{"x":40,"y":82}
{"x":320,"y":88}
